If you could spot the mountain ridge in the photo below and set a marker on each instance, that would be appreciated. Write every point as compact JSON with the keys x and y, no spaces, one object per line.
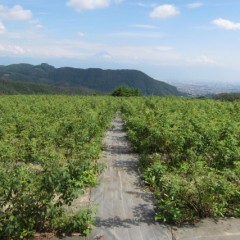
{"x":97,"y":79}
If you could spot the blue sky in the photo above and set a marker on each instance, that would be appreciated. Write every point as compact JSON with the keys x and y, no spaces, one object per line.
{"x":176,"y":40}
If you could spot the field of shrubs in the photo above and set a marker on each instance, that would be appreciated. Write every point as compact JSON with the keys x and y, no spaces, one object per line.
{"x":190,"y":155}
{"x":49,"y":149}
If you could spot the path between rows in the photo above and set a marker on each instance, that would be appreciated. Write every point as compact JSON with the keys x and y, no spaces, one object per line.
{"x":126,"y":209}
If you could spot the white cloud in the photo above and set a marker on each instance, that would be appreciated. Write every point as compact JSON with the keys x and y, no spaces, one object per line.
{"x":103,"y":55}
{"x":39,"y":26}
{"x":164,"y":48}
{"x":80,"y":49}
{"x":226,"y":24}
{"x":138,"y":34}
{"x":12,"y":49}
{"x":141,"y":4}
{"x":81,"y":34}
{"x":202,"y":59}
{"x":194,"y":5}
{"x":80,"y":5}
{"x":164,"y":11}
{"x":36,"y":23}
{"x":142,"y":54}
{"x":16,"y":13}
{"x":18,"y":50}
{"x":50,"y":50}
{"x":145,"y":26}
{"x":87,"y":4}
{"x":2,"y":28}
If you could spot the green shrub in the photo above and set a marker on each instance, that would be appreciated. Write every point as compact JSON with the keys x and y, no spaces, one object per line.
{"x":125,"y":91}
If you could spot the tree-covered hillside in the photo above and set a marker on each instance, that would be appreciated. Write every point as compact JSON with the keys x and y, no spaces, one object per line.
{"x":13,"y":87}
{"x":97,"y":79}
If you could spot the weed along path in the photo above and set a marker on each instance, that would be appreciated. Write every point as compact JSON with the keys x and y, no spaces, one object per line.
{"x":125,"y":211}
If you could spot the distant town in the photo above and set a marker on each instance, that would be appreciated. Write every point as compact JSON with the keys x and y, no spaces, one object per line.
{"x":202,"y":89}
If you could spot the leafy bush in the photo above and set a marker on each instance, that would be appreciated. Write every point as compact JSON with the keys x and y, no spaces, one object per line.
{"x":190,"y":155}
{"x":124,"y":91}
{"x":48,"y":151}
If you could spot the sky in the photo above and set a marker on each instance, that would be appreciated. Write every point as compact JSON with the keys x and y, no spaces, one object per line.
{"x":172,"y":40}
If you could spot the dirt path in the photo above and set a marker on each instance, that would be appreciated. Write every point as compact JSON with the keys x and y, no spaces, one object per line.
{"x":126,"y":210}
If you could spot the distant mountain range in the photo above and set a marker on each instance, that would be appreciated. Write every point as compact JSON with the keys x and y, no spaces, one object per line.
{"x":46,"y":79}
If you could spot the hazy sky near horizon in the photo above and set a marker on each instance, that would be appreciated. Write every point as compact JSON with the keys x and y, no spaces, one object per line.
{"x":173,"y":40}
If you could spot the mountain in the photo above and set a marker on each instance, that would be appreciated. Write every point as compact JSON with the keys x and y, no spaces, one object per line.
{"x":13,"y":87}
{"x":93,"y":78}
